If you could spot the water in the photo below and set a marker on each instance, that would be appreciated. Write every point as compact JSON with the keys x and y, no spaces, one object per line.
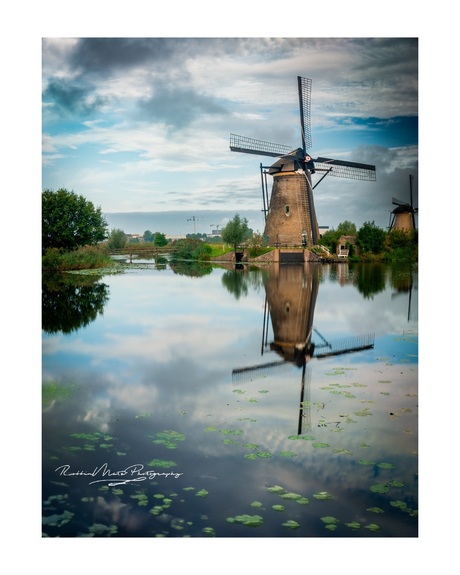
{"x":192,"y":402}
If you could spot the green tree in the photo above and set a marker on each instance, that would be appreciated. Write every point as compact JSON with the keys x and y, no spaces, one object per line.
{"x":117,"y":239}
{"x":191,"y":249}
{"x":70,"y":221}
{"x":236,"y":231}
{"x":346,"y":228}
{"x":149,"y":236}
{"x":160,"y":239}
{"x":371,"y":238}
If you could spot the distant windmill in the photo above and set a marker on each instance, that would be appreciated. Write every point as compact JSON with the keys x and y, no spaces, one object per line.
{"x":403,"y":216}
{"x":290,"y":216}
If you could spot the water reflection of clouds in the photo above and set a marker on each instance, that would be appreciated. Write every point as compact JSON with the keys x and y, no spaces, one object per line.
{"x":165,"y":349}
{"x":346,"y":311}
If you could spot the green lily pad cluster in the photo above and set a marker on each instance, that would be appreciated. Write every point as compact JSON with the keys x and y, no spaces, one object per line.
{"x":169,"y":438}
{"x":96,"y":439}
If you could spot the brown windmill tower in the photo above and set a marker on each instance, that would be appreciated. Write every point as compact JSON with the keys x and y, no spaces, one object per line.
{"x":403,"y":216}
{"x":290,"y":217}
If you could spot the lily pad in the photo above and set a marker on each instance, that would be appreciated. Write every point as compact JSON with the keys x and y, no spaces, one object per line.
{"x":329,"y":520}
{"x":248,"y":520}
{"x":386,"y":465}
{"x":288,"y":454}
{"x":202,"y":493}
{"x":379,"y":488}
{"x":399,"y":504}
{"x":322,"y":495}
{"x":353,"y":525}
{"x":376,"y":510}
{"x":291,"y":496}
{"x":276,"y":489}
{"x":395,"y":483}
{"x":161,"y":463}
{"x":291,"y":524}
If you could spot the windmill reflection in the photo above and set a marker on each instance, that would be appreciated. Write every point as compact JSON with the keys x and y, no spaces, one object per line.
{"x":404,"y":284}
{"x":291,"y":292}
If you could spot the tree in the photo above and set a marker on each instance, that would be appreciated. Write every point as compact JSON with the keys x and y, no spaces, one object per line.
{"x":191,"y":249}
{"x":346,"y":228}
{"x":70,"y":221}
{"x":148,"y":236}
{"x":160,"y":239}
{"x":117,"y":239}
{"x":371,"y":238}
{"x":236,"y":231}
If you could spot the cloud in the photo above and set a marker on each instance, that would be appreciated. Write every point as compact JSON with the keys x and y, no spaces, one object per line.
{"x":69,"y":99}
{"x":143,"y":123}
{"x":178,"y":107}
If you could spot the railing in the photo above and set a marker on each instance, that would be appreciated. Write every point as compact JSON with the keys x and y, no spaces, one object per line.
{"x":139,"y":251}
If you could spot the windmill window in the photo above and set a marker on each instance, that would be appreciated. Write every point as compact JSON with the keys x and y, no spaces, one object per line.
{"x":286,"y":210}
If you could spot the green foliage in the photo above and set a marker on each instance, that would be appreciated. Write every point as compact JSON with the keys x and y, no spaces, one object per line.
{"x":71,"y":301}
{"x":192,"y":249}
{"x":88,"y":257}
{"x":346,"y":228}
{"x":371,"y":238}
{"x":69,"y":221}
{"x":160,"y":239}
{"x":197,"y":236}
{"x":401,"y":245}
{"x":256,"y":246}
{"x":236,"y":231}
{"x":149,"y":236}
{"x":117,"y":239}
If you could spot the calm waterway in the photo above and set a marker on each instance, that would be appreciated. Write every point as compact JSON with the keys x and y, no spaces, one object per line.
{"x":199,"y":401}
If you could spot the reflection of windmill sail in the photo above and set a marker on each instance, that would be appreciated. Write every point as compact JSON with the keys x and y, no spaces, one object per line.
{"x":290,"y":212}
{"x":403,"y":289}
{"x":291,"y":297}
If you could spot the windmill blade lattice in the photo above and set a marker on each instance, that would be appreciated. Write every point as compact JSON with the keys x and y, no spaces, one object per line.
{"x":304,"y":89}
{"x":344,"y":169}
{"x":258,"y":147}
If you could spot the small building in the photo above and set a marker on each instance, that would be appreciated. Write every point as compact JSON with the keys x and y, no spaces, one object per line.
{"x":344,"y":245}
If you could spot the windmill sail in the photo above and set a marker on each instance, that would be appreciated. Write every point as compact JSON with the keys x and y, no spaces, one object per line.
{"x":290,"y":215}
{"x":258,"y":147}
{"x":304,"y":90}
{"x":344,"y":169}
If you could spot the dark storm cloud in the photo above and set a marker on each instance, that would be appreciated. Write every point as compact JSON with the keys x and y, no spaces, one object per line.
{"x":108,"y":55}
{"x":71,"y":99}
{"x":178,"y":107}
{"x":105,"y":55}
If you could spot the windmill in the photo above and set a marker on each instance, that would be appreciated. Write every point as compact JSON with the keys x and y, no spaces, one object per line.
{"x":291,"y":293}
{"x":403,"y":216}
{"x":290,"y":216}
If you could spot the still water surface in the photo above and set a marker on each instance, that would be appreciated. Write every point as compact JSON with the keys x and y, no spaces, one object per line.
{"x":195,"y":402}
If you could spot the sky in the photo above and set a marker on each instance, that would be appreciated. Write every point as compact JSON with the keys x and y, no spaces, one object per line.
{"x":142,"y":125}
